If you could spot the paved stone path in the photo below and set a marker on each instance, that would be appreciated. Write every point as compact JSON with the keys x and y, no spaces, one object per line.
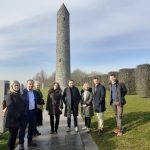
{"x":62,"y":140}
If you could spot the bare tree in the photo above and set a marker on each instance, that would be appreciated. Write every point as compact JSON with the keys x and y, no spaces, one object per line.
{"x":41,"y":76}
{"x":78,"y":76}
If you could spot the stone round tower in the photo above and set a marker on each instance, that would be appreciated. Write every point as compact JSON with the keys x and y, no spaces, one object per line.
{"x":63,"y":47}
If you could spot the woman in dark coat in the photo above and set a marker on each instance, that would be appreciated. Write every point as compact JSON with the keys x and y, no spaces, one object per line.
{"x":40,"y":103}
{"x":54,"y":106}
{"x":15,"y":112}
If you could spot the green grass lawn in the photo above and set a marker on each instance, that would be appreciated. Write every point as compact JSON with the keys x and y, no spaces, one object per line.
{"x":136,"y":125}
{"x":3,"y":141}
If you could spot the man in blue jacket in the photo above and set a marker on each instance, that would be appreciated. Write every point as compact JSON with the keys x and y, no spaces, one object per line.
{"x":30,"y":99}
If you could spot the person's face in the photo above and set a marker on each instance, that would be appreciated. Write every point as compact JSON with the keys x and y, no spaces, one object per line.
{"x":86,"y":88}
{"x":71,"y":84}
{"x":96,"y":81}
{"x":55,"y":86}
{"x":16,"y":87}
{"x":112,"y":79}
{"x":30,"y":85}
{"x":37,"y":86}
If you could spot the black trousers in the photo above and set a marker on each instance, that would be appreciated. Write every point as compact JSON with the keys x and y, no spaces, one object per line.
{"x":12,"y":138}
{"x":29,"y":120}
{"x":88,"y":122}
{"x":54,"y":125}
{"x":75,"y":121}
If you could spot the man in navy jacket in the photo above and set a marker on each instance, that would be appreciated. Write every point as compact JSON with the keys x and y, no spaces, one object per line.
{"x":99,"y":103}
{"x":30,"y":99}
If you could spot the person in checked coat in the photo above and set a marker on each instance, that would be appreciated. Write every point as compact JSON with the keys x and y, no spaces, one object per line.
{"x":87,"y":106}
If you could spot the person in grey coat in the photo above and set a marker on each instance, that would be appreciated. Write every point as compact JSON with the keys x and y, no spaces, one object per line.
{"x":87,"y":106}
{"x":99,"y":103}
{"x":71,"y":98}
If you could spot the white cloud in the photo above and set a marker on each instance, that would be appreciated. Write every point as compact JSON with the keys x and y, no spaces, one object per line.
{"x":29,"y":26}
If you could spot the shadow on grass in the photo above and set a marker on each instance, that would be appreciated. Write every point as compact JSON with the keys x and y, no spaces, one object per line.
{"x":108,"y":140}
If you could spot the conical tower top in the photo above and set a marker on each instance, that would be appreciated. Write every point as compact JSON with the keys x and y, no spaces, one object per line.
{"x":63,"y":10}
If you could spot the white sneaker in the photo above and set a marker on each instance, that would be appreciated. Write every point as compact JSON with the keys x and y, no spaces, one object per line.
{"x":76,"y":129}
{"x":68,"y":129}
{"x":88,"y":130}
{"x":84,"y":128}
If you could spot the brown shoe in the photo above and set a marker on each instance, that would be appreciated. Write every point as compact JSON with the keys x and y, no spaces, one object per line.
{"x":116,"y":130}
{"x":119,"y":133}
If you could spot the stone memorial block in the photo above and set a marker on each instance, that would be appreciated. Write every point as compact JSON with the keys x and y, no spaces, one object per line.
{"x":4,"y":89}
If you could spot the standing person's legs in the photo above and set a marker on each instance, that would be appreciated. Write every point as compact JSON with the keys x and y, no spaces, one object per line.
{"x":32,"y":122}
{"x":75,"y":121}
{"x":114,"y":106}
{"x":118,"y":110}
{"x":57,"y":122}
{"x":100,"y":117}
{"x":12,"y":138}
{"x":119,"y":117}
{"x":52,"y":123}
{"x":69,"y":121}
{"x":88,"y":122}
{"x":22,"y":129}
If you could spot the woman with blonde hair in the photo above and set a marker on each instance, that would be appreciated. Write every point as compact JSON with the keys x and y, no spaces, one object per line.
{"x":15,"y":112}
{"x":87,"y":106}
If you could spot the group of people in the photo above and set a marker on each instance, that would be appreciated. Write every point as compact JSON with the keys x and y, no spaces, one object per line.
{"x":23,"y":109}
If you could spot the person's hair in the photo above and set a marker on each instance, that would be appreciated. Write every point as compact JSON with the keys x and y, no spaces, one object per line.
{"x":36,"y":82}
{"x":14,"y":82}
{"x":30,"y":80}
{"x":86,"y":85}
{"x":95,"y":78}
{"x":11,"y":85}
{"x":52,"y":87}
{"x":70,"y":80}
{"x":112,"y":74}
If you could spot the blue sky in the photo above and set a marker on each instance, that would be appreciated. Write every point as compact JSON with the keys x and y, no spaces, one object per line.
{"x":105,"y":35}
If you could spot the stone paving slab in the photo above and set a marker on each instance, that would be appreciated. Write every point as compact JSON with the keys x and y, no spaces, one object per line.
{"x":62,"y":140}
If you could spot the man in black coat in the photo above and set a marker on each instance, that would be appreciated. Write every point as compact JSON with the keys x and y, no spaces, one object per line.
{"x":99,"y":103}
{"x":71,"y":98}
{"x":30,"y":99}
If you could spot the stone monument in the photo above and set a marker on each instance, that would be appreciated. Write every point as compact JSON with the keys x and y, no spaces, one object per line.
{"x":63,"y":47}
{"x":4,"y":89}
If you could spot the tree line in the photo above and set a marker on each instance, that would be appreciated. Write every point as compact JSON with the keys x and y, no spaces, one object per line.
{"x":77,"y":75}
